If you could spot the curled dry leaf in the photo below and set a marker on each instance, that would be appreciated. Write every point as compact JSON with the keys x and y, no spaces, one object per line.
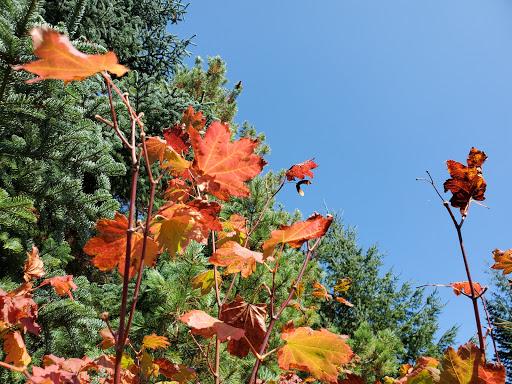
{"x":320,"y":291}
{"x":301,"y":170}
{"x":464,"y":287}
{"x":250,"y":318}
{"x":466,"y":182}
{"x":300,"y":191}
{"x":108,"y":339}
{"x":503,"y":260}
{"x":17,"y":308}
{"x":296,"y":234}
{"x":205,"y":325}
{"x":33,"y":266}
{"x":60,"y":60}
{"x":345,"y":301}
{"x":342,"y":285}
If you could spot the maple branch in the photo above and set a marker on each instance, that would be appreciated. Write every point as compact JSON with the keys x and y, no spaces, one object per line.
{"x":141,"y":266}
{"x":274,"y":272}
{"x":474,"y":297}
{"x":219,"y":305}
{"x":235,"y":275}
{"x":120,"y":343}
{"x":14,"y":368}
{"x":113,"y":112}
{"x":490,"y":328}
{"x":273,"y":319}
{"x":203,"y":353}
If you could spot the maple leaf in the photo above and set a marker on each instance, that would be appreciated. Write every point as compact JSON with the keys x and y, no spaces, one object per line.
{"x":177,"y":138}
{"x":33,"y":266}
{"x":205,"y":281}
{"x":352,"y":379}
{"x":236,"y":258}
{"x":192,"y":120}
{"x":60,"y":60}
{"x":320,"y":291}
{"x":205,"y":325}
{"x":176,"y":226}
{"x":301,"y":170}
{"x":468,"y":366}
{"x":345,"y":301}
{"x":14,"y":347}
{"x":209,"y":211}
{"x":250,"y":318}
{"x":109,"y":247}
{"x":223,"y":166}
{"x":463,"y":287}
{"x":62,"y":284}
{"x":317,"y":352}
{"x":503,"y":260}
{"x":158,"y":149}
{"x":18,"y":308}
{"x":342,"y":285}
{"x":419,"y":374}
{"x":108,"y":339}
{"x":233,"y":230}
{"x":466,"y":182}
{"x":173,"y":371}
{"x":296,"y":234}
{"x":153,"y":341}
{"x":178,"y":191}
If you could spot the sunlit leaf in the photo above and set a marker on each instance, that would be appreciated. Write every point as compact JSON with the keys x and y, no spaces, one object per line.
{"x":320,"y":291}
{"x":503,"y":260}
{"x":178,"y":372}
{"x":109,"y":247}
{"x":206,"y":281}
{"x":345,"y":301}
{"x":14,"y":347}
{"x":60,"y":60}
{"x":464,"y":287}
{"x":317,"y":352}
{"x":466,"y":182}
{"x":296,"y":234}
{"x":33,"y":266}
{"x":233,"y":230}
{"x":205,"y":325}
{"x":62,"y":284}
{"x":236,"y":259}
{"x":192,"y":119}
{"x":153,"y":341}
{"x":221,"y":166}
{"x":301,"y":170}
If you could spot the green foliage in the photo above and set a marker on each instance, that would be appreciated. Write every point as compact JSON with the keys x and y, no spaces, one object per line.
{"x":379,"y":299}
{"x":500,"y":310}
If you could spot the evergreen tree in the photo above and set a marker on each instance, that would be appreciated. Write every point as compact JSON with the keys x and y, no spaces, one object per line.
{"x":500,"y":310}
{"x":379,"y":300}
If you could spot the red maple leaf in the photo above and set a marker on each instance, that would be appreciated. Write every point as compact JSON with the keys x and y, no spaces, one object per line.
{"x":62,"y":284}
{"x":464,"y":287}
{"x":466,"y":182}
{"x":109,"y":247}
{"x":205,"y":325}
{"x":236,"y":258}
{"x":60,"y":60}
{"x":221,"y":166}
{"x":192,"y":120}
{"x":18,"y":308}
{"x":301,"y":170}
{"x":296,"y":234}
{"x":177,"y":138}
{"x":503,"y":260}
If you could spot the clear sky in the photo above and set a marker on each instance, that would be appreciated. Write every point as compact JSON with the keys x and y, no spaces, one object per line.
{"x":378,"y":92}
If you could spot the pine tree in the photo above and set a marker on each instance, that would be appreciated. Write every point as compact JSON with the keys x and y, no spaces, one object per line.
{"x":500,"y":310}
{"x":379,"y":300}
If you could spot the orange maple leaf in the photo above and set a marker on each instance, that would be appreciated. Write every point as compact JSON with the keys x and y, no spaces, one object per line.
{"x":317,"y":352}
{"x":109,"y":247}
{"x":236,"y":258}
{"x":60,"y":60}
{"x":177,"y":138}
{"x":62,"y":284}
{"x":177,"y":225}
{"x":320,"y":291}
{"x":205,"y":325}
{"x":464,"y":287}
{"x":233,"y":230}
{"x":14,"y":347}
{"x":503,"y":260}
{"x":466,"y":182}
{"x":301,"y":170}
{"x":192,"y":120}
{"x":221,"y":166}
{"x":153,"y":341}
{"x":296,"y":234}
{"x":33,"y":266}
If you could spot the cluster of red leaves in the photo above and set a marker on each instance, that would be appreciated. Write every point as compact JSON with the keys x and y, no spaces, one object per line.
{"x":466,"y":182}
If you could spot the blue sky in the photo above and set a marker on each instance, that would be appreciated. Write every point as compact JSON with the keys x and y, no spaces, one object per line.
{"x":378,"y":92}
